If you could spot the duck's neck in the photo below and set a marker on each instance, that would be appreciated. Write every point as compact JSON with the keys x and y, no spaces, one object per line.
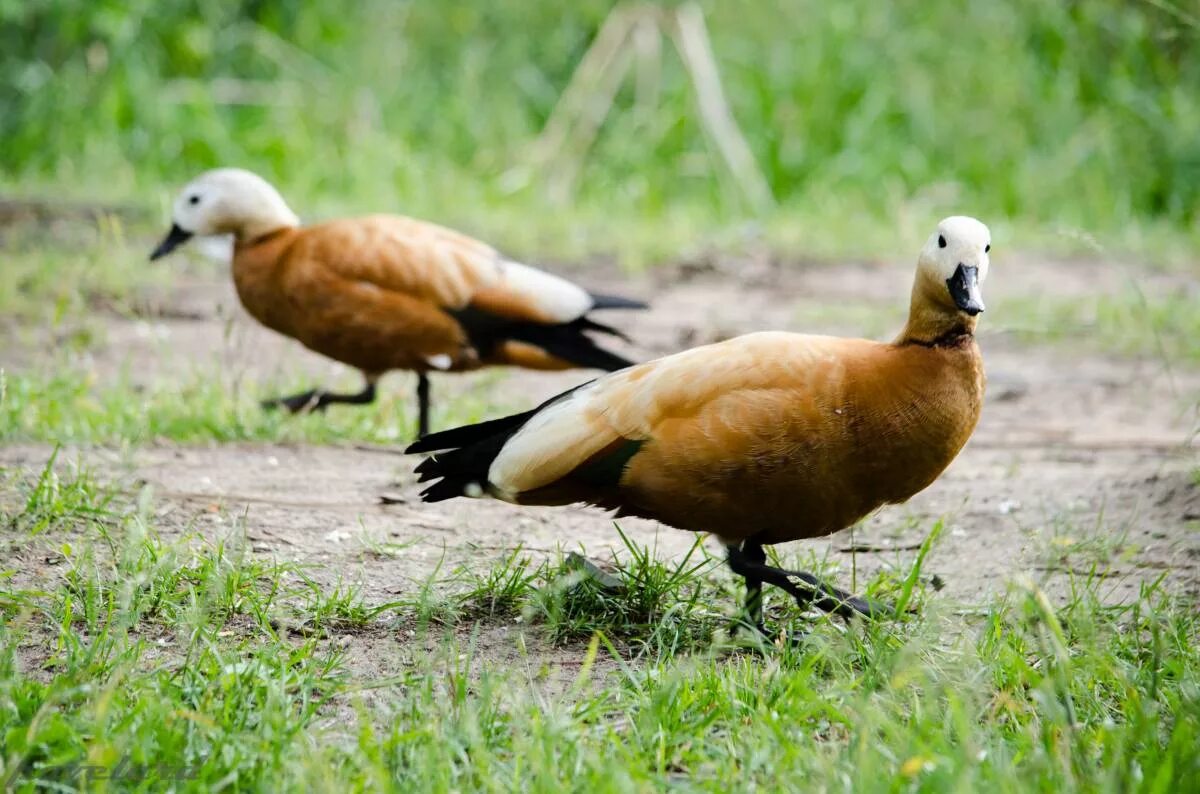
{"x":256,"y":228}
{"x":932,"y":320}
{"x":260,"y":214}
{"x":266,"y":238}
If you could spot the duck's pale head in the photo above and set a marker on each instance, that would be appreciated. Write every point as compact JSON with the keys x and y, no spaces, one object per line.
{"x":954,"y":264}
{"x":226,"y":201}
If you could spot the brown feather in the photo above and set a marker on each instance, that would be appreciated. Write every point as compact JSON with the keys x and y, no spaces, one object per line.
{"x":872,"y":426}
{"x":286,"y":283}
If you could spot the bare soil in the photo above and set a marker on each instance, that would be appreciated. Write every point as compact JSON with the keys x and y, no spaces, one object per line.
{"x":1082,"y":463}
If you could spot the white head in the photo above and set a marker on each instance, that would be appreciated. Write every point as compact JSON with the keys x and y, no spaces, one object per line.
{"x":226,"y":201}
{"x":954,"y":263}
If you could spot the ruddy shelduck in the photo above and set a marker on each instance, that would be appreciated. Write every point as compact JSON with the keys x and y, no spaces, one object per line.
{"x":761,"y":439}
{"x":386,"y":292}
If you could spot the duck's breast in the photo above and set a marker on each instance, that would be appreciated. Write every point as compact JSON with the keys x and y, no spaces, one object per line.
{"x":919,"y":408}
{"x":258,"y":270}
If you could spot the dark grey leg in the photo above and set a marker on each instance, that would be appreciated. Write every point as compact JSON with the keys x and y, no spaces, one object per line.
{"x":755,"y":554}
{"x":422,"y":405}
{"x":317,"y":400}
{"x":807,"y":589}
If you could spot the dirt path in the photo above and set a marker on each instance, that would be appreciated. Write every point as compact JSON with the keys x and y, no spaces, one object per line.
{"x":1079,"y":461}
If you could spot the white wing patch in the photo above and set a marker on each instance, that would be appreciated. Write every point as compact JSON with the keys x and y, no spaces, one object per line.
{"x":556,"y":297}
{"x":549,"y":447}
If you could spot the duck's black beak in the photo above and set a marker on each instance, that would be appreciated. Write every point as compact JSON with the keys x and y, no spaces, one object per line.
{"x":964,"y":289}
{"x":175,"y":238}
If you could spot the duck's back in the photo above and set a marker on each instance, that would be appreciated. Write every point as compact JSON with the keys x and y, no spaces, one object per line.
{"x":387,"y":292}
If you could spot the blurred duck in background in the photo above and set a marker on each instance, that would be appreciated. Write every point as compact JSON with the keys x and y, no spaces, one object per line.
{"x":386,"y":292}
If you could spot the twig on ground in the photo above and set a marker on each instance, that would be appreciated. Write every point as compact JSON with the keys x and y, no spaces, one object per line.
{"x":870,"y":548}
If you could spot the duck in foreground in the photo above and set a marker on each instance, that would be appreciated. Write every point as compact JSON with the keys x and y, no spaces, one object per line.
{"x":386,"y":292}
{"x":762,"y":439}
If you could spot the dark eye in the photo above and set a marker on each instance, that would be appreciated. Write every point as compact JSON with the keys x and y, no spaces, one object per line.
{"x":941,"y":241}
{"x":193,"y":199}
{"x":987,"y":248}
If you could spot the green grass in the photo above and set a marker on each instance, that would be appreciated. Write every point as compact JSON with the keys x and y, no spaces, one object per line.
{"x":50,"y":501}
{"x":72,"y":405}
{"x":60,"y":271}
{"x":141,"y":660}
{"x":654,"y":605}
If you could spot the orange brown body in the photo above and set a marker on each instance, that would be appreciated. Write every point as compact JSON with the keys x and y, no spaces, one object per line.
{"x":806,"y":436}
{"x":365,"y":292}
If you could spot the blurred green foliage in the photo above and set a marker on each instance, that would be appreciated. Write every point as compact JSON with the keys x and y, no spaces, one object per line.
{"x":1084,"y":112}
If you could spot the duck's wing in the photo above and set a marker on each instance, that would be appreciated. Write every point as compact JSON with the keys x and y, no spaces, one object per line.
{"x":511,"y":313}
{"x":710,"y":403}
{"x":449,"y":270}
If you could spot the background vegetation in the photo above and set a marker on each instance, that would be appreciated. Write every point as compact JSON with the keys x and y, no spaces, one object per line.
{"x":1081,"y":116}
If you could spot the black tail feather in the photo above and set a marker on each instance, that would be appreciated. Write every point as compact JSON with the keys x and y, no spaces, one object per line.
{"x":442,"y":490}
{"x":467,"y":434}
{"x":456,"y":470}
{"x":466,"y":453}
{"x":588,"y":324}
{"x":616,"y":302}
{"x":569,"y":342}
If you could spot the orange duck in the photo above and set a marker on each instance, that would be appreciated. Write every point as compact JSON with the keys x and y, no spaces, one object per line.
{"x":762,"y":439}
{"x":386,"y":292}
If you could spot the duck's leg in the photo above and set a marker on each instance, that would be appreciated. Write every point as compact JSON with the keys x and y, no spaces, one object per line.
{"x":754,"y":554}
{"x":317,"y":400}
{"x":422,"y":405}
{"x":807,"y":589}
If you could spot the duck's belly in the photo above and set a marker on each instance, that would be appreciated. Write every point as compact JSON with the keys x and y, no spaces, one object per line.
{"x":774,"y":509}
{"x":361,"y":326}
{"x":788,"y":492}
